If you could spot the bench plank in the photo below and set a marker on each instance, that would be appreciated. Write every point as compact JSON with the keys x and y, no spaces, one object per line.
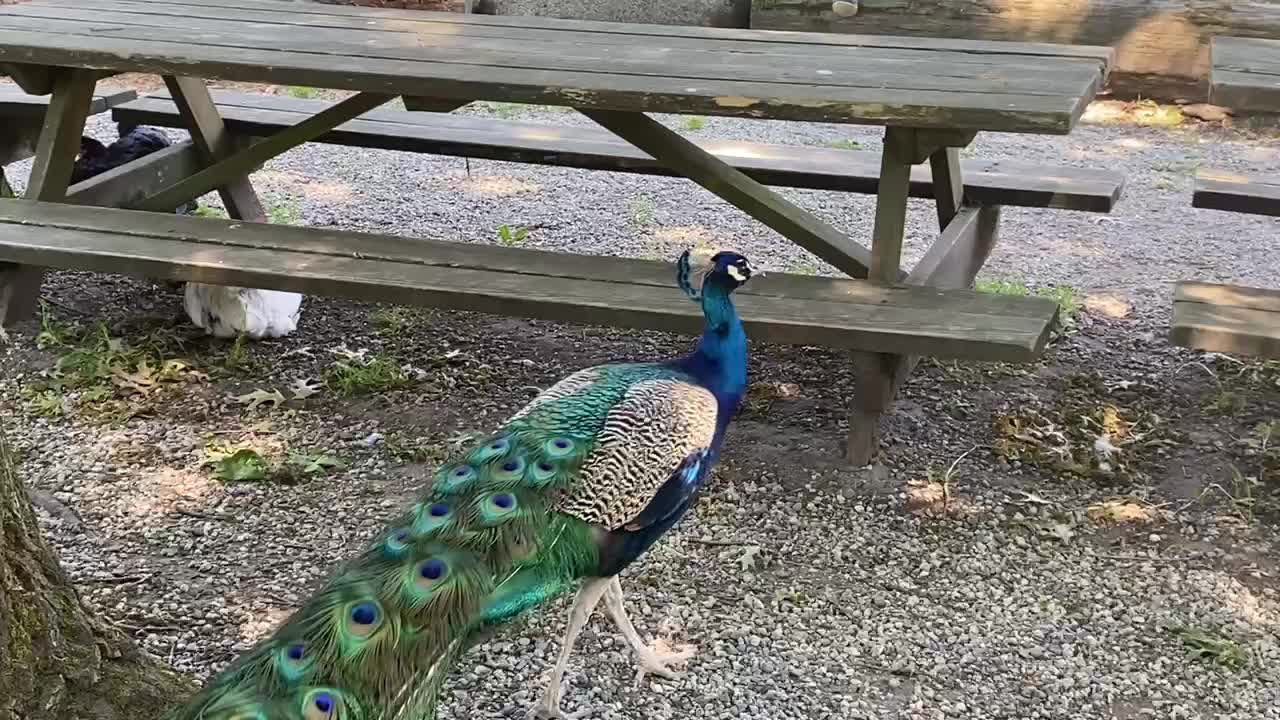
{"x":1226,"y":319}
{"x":1245,"y":73}
{"x":519,"y":282}
{"x":1236,"y":192}
{"x":577,"y":66}
{"x":15,"y":103}
{"x":986,"y":181}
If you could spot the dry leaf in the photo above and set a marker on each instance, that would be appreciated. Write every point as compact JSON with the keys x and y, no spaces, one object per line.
{"x":257,"y":397}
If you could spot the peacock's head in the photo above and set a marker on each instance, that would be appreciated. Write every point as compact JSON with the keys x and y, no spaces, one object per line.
{"x":698,"y":267}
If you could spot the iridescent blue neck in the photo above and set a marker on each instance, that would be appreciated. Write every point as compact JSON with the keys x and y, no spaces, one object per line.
{"x":720,"y":360}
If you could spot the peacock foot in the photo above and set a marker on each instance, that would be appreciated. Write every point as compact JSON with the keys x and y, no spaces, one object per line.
{"x":656,"y":660}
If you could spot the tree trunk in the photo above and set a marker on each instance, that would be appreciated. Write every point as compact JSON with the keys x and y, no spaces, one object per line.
{"x":1162,"y":46}
{"x":56,"y":661}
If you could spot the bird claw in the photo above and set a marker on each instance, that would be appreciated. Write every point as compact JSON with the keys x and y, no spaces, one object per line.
{"x":654,"y":661}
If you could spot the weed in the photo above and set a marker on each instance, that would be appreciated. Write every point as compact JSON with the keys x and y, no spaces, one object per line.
{"x":804,"y":267}
{"x":1225,"y":402}
{"x":1068,"y":302}
{"x":54,"y":333}
{"x":376,"y":375}
{"x":391,"y":321}
{"x":694,"y":123}
{"x":408,"y":451}
{"x":512,"y":237}
{"x":844,"y":144}
{"x":285,"y":213}
{"x":1210,"y":645}
{"x":303,"y":92}
{"x":49,"y":403}
{"x":238,"y":354}
{"x":249,"y":464}
{"x":641,"y":211}
{"x":207,"y":211}
{"x":1001,"y":286}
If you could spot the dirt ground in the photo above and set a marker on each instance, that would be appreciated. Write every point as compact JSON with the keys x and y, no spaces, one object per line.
{"x":1092,"y":535}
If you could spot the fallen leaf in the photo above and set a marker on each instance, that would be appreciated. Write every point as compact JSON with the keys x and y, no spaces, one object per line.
{"x":257,"y":397}
{"x":303,"y":388}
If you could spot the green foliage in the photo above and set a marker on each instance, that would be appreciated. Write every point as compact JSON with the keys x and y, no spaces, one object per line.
{"x":512,"y":237}
{"x":208,"y":211}
{"x":303,"y":92}
{"x":844,"y":144}
{"x":285,"y":213}
{"x":379,"y":374}
{"x":694,"y":123}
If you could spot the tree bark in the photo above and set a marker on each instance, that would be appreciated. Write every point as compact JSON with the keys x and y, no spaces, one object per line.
{"x":1162,"y":46}
{"x":56,"y":660}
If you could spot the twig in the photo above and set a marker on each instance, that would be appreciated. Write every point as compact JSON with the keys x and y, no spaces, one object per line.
{"x":118,"y":580}
{"x":720,"y":543}
{"x":1141,"y":558}
{"x":205,"y":516}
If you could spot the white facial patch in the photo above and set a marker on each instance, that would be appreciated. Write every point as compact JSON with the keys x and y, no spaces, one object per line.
{"x":736,"y":274}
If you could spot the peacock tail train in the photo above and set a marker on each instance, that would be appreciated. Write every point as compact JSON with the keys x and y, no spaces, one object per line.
{"x":513,"y":521}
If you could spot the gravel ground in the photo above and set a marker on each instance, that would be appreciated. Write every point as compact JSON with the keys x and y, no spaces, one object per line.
{"x":972,"y":574}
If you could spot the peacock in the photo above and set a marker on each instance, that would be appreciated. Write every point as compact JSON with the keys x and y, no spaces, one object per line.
{"x":570,"y":490}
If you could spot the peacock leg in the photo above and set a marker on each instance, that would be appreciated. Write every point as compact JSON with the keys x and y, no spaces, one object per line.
{"x":583,"y":605}
{"x":650,"y":660}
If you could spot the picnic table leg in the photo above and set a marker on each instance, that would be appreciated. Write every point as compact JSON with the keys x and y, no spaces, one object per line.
{"x":215,"y":142}
{"x":968,"y":234}
{"x":50,"y":176}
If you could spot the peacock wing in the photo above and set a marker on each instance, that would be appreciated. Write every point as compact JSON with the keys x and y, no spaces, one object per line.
{"x":646,"y":459}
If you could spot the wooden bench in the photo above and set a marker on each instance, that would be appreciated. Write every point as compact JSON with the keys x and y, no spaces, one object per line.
{"x":1244,"y":73}
{"x":777,"y":307}
{"x":1226,"y":319}
{"x":22,"y":116}
{"x":1235,"y":192}
{"x":987,"y":182}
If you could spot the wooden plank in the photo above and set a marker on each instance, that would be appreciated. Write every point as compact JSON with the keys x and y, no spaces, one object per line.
{"x":1234,"y":192}
{"x":129,"y":184}
{"x":852,"y":68}
{"x":50,"y":174}
{"x":948,"y":191}
{"x":947,"y":332}
{"x":421,"y":251}
{"x":951,"y":262}
{"x":735,"y":187}
{"x":200,"y":117}
{"x":987,"y":181}
{"x":1246,"y":74}
{"x":615,"y":34}
{"x":1234,"y":330}
{"x":290,"y":59}
{"x":33,"y":79}
{"x":15,"y":102}
{"x":891,"y":204}
{"x":235,"y":166}
{"x":1224,"y":295}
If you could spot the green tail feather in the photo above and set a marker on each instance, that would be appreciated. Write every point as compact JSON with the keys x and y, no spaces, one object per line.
{"x":479,"y":547}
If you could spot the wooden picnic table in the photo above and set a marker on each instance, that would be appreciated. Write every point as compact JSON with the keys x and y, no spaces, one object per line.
{"x":931,"y":96}
{"x":1221,"y":317}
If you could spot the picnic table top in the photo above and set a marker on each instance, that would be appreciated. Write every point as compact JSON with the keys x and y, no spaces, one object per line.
{"x":1245,"y":73}
{"x":880,"y":80}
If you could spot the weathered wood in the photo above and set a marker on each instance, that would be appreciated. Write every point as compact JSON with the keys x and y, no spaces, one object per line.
{"x":281,"y":257}
{"x":987,"y":181}
{"x":734,"y":186}
{"x":953,"y":261}
{"x":129,"y":184}
{"x":23,"y":114}
{"x":201,"y":119}
{"x":17,"y":103}
{"x":1234,"y":192}
{"x":628,"y":77}
{"x":1246,"y":74}
{"x":891,"y":204}
{"x":948,"y":193}
{"x":1161,"y":47}
{"x":50,"y":174}
{"x":852,"y":68}
{"x":236,"y":166}
{"x":33,"y":79}
{"x":1226,"y":319}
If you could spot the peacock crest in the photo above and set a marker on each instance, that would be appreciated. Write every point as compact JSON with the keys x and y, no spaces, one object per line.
{"x":573,"y":487}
